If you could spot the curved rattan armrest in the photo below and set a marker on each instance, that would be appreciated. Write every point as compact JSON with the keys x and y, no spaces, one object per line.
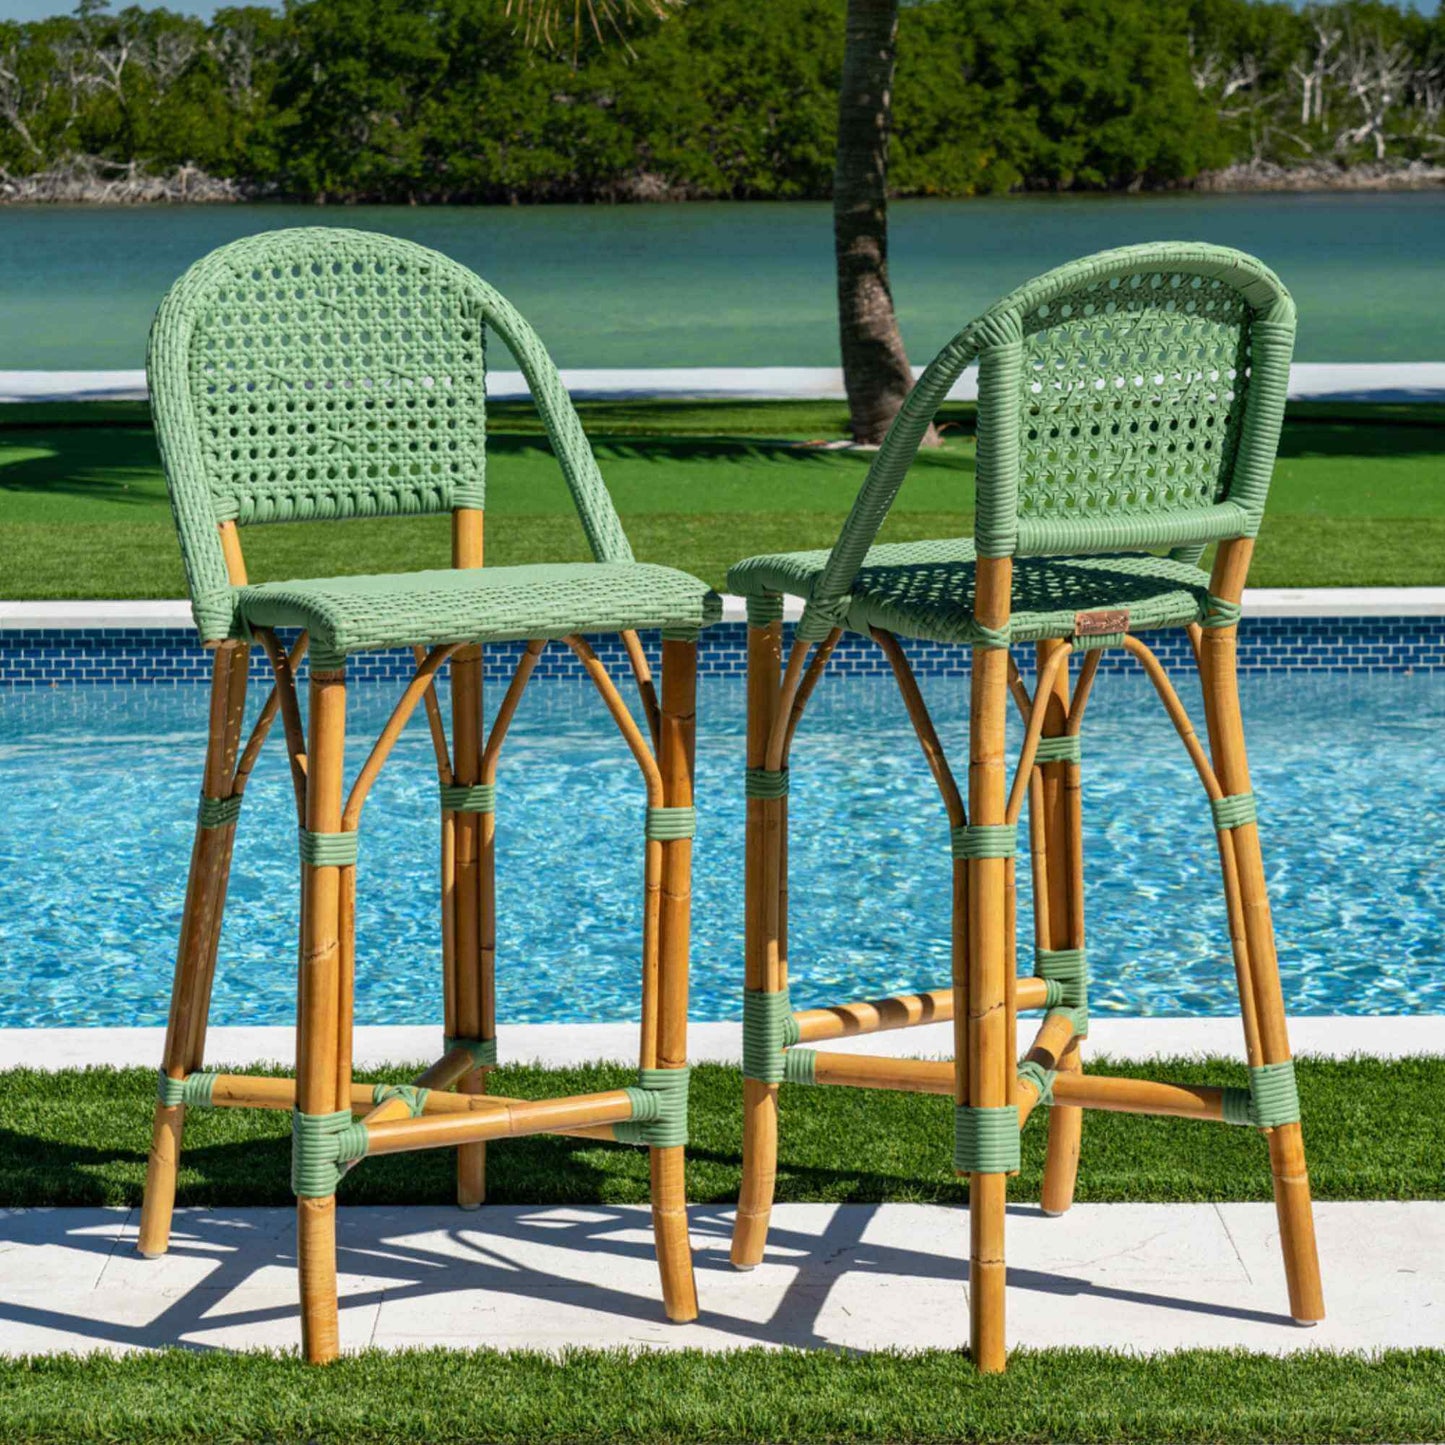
{"x":564,"y":428}
{"x":828,"y":606}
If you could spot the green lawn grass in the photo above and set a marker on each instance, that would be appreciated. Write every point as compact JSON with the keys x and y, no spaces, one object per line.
{"x":745,"y":1397}
{"x":80,"y":1137}
{"x":1358,"y":497}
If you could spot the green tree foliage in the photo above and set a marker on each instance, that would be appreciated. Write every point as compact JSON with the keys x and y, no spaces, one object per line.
{"x":1051,"y":93}
{"x":446,"y":100}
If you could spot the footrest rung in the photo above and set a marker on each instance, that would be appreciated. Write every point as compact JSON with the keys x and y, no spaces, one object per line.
{"x":868,"y":1071}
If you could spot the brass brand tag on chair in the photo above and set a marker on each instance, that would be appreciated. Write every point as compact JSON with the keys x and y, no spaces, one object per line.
{"x":1099,"y":624}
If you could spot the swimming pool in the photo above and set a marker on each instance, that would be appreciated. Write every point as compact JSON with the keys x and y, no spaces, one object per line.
{"x":97,"y":798}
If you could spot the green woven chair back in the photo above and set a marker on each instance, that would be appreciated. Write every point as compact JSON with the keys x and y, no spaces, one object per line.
{"x":1131,"y":399}
{"x":322,"y":373}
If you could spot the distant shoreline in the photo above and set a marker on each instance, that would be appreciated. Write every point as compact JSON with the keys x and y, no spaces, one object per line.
{"x":189,"y":186}
{"x":1414,"y":176}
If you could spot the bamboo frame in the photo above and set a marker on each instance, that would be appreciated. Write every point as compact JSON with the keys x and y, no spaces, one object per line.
{"x":983,"y":1076}
{"x":764,"y":956}
{"x":456,"y":1112}
{"x":1058,"y":830}
{"x":1251,"y":920}
{"x":987,"y":993}
{"x":196,"y":952}
{"x":1080,"y":1091}
{"x":470,"y":983}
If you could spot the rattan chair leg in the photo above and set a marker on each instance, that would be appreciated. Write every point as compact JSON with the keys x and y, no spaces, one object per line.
{"x":1064,"y":918}
{"x":1286,"y":1140}
{"x":990,"y":1069}
{"x":467,"y":922}
{"x":764,"y":964}
{"x":676,"y":752}
{"x":323,"y":1075}
{"x":196,"y":953}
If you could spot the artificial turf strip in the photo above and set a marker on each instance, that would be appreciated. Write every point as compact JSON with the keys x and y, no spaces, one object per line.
{"x":80,"y":1138}
{"x":444,"y":1397}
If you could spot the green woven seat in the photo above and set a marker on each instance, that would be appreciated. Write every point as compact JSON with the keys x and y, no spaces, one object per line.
{"x":925,"y":589}
{"x":487,"y":604}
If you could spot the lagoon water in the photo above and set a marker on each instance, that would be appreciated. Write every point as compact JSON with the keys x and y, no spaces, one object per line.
{"x":742,"y":284}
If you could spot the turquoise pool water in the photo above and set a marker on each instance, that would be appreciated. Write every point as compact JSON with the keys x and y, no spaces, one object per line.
{"x":97,"y":790}
{"x":729,"y":284}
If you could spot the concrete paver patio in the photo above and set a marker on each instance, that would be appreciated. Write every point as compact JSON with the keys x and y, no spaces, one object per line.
{"x":1139,"y":1276}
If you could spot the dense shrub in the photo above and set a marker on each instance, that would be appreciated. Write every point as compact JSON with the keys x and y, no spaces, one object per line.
{"x":399,"y":100}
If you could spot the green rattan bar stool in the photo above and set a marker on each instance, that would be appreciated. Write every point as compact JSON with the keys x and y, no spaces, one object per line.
{"x":320,"y":374}
{"x":1129,"y":410}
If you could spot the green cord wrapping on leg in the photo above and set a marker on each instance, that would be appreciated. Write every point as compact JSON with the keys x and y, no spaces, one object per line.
{"x":1068,"y":969}
{"x":321,"y":1147}
{"x":986,"y":1141}
{"x":1219,"y":613}
{"x":765,"y":783}
{"x":483,"y":1051}
{"x":218,"y":812}
{"x":659,"y":1109}
{"x":768,"y":1028}
{"x":1234,"y":810}
{"x":666,"y":824}
{"x":765,"y":609}
{"x":329,"y":850}
{"x":978,"y":635}
{"x":469,"y":797}
{"x":1274,"y":1095}
{"x":1041,"y":1078}
{"x":985,"y":840}
{"x":1066,"y":748}
{"x":194,"y":1091}
{"x":1238,"y":1107}
{"x":1271,"y":1099}
{"x":415,"y":1098}
{"x":800,"y":1066}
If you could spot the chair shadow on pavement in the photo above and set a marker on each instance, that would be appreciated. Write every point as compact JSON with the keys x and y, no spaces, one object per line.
{"x":231,"y":1270}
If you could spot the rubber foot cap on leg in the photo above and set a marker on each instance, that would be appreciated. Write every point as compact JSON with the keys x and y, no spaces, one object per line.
{"x":469,"y":1208}
{"x":151,"y":1253}
{"x":1304,"y":1324}
{"x":1052,"y":1213}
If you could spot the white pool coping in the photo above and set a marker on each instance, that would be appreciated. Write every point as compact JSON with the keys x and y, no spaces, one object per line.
{"x":566,"y":1045}
{"x":1258,"y":602}
{"x":1370,"y":381}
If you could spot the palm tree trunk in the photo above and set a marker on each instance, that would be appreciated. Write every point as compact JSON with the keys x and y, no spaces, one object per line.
{"x":875,"y":365}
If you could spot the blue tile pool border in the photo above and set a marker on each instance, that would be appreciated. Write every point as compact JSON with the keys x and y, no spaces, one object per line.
{"x":46,"y":657}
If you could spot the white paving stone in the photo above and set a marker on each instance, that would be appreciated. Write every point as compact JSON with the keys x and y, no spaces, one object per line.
{"x":1136,"y":1276}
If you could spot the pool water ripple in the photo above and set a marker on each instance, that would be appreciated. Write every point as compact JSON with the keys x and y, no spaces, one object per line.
{"x":97,"y":800}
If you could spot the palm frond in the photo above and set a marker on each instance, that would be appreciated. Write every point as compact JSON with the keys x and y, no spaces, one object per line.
{"x":553,"y":24}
